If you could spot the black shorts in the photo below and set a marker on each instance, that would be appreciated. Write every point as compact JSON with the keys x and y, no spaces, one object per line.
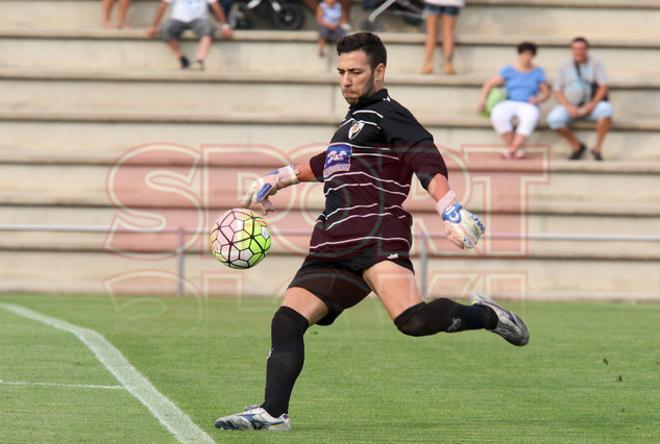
{"x":338,"y":282}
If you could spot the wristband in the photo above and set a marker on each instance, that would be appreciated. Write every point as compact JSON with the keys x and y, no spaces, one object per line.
{"x":287,"y":176}
{"x":444,"y":203}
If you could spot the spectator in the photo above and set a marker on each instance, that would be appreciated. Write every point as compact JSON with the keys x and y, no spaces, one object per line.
{"x":448,"y":10}
{"x":581,"y":90}
{"x":189,"y":14}
{"x":107,"y":13}
{"x":526,"y":88}
{"x":312,"y":5}
{"x":329,"y":18}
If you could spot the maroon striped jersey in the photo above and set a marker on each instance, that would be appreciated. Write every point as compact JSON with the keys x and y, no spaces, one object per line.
{"x":367,"y":170}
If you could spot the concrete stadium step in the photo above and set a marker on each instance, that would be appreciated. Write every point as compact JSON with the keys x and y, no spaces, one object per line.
{"x":250,"y":92}
{"x":548,"y":17}
{"x":524,"y":279}
{"x":136,"y":243}
{"x":98,"y":137}
{"x":295,"y":52}
{"x":609,"y":192}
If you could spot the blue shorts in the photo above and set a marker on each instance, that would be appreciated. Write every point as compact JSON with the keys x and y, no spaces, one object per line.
{"x":440,"y":10}
{"x":559,"y":117}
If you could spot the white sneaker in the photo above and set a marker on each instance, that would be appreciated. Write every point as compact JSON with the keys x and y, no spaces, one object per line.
{"x":509,"y":324}
{"x":254,"y":418}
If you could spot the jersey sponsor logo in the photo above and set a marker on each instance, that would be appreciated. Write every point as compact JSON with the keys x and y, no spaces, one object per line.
{"x":355,"y":129}
{"x":337,"y":158}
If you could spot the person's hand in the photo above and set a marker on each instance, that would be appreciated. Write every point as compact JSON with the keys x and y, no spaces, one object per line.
{"x":264,"y":187}
{"x":585,"y":110}
{"x":152,"y":31}
{"x":481,"y":107}
{"x":226,"y":31}
{"x":573,"y":111}
{"x":534,"y":100}
{"x":463,"y":228}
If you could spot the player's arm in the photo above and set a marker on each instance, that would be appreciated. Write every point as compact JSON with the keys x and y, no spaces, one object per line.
{"x":416,"y":149}
{"x":463,"y":228}
{"x":309,"y":170}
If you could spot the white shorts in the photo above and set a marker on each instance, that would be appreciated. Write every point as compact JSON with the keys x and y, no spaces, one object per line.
{"x":504,"y":112}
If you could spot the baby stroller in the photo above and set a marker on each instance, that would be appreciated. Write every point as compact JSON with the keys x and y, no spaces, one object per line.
{"x":284,"y":14}
{"x":409,"y":10}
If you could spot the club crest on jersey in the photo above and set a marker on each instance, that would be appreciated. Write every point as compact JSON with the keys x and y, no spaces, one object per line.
{"x":355,"y":129}
{"x":337,"y":158}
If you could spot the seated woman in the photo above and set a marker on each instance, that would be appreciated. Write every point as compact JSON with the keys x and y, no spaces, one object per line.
{"x":526,"y":88}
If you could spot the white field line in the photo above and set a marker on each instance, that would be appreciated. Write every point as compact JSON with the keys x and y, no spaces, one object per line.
{"x":49,"y":384}
{"x":167,"y":413}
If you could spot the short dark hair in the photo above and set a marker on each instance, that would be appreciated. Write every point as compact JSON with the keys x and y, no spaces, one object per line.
{"x":580,"y":40}
{"x":527,"y":47}
{"x":364,"y":41}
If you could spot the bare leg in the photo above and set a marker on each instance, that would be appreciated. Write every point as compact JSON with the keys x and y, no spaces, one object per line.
{"x":175,"y":46}
{"x":602,"y":128}
{"x":123,"y":9}
{"x":508,"y":139}
{"x":517,"y":146}
{"x":107,"y":12}
{"x":204,"y":45}
{"x":448,"y":25}
{"x":568,"y":135}
{"x":396,"y":287}
{"x":431,"y":42}
{"x":321,"y":47}
{"x":305,"y":303}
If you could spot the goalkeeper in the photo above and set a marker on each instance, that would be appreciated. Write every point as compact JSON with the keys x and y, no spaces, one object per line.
{"x":361,"y":241}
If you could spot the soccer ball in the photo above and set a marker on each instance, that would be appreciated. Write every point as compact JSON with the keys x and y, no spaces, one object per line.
{"x":240,"y":239}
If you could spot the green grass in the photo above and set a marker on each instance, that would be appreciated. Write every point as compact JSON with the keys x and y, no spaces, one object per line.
{"x":363,"y":381}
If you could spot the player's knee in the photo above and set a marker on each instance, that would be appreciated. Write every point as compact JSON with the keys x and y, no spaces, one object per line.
{"x":412,"y":322}
{"x":287,"y":323}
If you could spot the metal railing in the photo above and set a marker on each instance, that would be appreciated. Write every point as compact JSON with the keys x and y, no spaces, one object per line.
{"x":424,"y":237}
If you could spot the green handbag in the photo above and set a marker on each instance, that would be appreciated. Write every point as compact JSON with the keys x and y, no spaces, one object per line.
{"x":495,"y":96}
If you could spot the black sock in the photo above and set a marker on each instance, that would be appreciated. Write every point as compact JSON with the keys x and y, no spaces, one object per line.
{"x":444,"y":315}
{"x":285,"y":360}
{"x":185,"y":63}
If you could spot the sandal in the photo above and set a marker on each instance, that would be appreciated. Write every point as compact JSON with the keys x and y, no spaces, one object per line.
{"x":520,"y":153}
{"x":506,"y":154}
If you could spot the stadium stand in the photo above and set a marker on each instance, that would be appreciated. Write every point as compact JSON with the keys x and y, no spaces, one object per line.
{"x":76,"y":97}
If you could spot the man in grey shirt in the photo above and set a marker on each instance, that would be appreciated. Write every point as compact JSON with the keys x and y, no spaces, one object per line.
{"x":581,"y":90}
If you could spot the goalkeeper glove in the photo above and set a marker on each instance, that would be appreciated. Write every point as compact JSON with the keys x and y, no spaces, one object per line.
{"x":463,"y":228}
{"x":266,"y":186}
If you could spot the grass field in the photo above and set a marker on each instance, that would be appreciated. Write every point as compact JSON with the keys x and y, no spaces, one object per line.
{"x":591,"y":374}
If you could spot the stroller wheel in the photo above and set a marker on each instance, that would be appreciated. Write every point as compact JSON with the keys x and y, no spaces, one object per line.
{"x":291,"y":17}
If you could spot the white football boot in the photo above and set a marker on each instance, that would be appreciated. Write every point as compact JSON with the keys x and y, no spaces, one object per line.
{"x":509,"y":324}
{"x":254,"y":418}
